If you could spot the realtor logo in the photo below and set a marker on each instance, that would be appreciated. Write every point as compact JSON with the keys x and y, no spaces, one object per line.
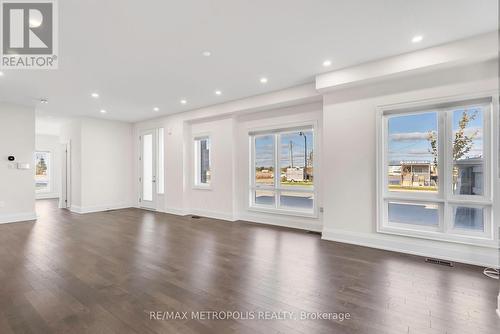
{"x":29,"y":34}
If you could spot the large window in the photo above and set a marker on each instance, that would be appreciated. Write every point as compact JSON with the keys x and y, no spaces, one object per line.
{"x":282,"y":177}
{"x":202,"y":177}
{"x":435,"y":171}
{"x":42,"y":172}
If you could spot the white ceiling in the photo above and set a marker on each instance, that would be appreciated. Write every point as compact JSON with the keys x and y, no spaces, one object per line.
{"x":141,"y":54}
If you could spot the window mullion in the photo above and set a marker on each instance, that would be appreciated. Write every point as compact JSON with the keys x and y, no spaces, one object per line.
{"x":277,"y":171}
{"x":445,"y":161}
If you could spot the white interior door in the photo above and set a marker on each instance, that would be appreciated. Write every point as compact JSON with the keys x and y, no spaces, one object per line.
{"x":147,"y":162}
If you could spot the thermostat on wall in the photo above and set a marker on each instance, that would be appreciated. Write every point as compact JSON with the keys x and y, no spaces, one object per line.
{"x":23,"y":166}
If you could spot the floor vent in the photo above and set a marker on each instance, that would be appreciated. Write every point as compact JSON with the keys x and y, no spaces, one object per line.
{"x":440,"y":262}
{"x":195,"y":217}
{"x":313,"y":232}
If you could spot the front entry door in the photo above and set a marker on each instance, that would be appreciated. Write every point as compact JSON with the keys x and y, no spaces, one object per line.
{"x":147,"y":162}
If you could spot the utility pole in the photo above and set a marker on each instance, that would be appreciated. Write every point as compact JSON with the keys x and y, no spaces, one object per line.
{"x":305,"y":154}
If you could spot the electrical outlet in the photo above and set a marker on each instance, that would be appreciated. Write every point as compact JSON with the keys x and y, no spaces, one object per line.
{"x":321,"y":210}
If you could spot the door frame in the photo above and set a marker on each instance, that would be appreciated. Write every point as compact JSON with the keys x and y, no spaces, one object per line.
{"x":150,"y":205}
{"x":65,"y":187}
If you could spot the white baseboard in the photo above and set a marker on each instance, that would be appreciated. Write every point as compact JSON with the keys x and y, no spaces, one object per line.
{"x":174,"y":211}
{"x":283,"y":221}
{"x":292,"y":222}
{"x":100,"y":208}
{"x":480,"y":256}
{"x":498,"y":309}
{"x":46,"y":195}
{"x":17,"y":217}
{"x":212,"y":214}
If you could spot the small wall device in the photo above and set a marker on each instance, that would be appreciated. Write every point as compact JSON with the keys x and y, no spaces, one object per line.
{"x":11,"y":158}
{"x":23,"y":165}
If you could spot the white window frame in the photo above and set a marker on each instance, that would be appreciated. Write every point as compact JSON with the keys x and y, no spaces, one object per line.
{"x":197,"y":184}
{"x":277,"y":189}
{"x":444,"y":198}
{"x":49,"y":172}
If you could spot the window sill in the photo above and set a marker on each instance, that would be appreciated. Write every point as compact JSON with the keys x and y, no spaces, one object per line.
{"x":474,"y":240}
{"x":284,"y":212}
{"x":200,"y":187}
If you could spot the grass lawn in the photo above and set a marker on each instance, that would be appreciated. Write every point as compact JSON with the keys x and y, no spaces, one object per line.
{"x":428,"y":188}
{"x":297,"y":183}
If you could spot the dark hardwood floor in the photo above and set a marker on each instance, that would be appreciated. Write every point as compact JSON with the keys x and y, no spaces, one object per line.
{"x":105,"y":273}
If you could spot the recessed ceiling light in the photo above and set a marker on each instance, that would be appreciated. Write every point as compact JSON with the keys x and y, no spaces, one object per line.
{"x":94,"y":95}
{"x":263,"y":80}
{"x":44,"y":101}
{"x":207,"y":53}
{"x":417,"y":39}
{"x":156,"y":109}
{"x":103,"y":111}
{"x":218,"y":92}
{"x":183,"y":101}
{"x":327,"y":63}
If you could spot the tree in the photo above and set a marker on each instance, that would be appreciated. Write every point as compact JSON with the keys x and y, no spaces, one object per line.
{"x":462,"y":143}
{"x":41,"y":167}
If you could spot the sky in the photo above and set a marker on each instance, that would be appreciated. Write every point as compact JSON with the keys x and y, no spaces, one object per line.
{"x":408,"y":135}
{"x":264,"y":149}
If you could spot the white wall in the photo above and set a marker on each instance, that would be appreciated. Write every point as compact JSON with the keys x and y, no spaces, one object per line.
{"x":101,"y":164}
{"x":349,"y":118}
{"x":217,"y":200}
{"x":17,"y":187}
{"x":49,"y":143}
{"x":106,"y":164}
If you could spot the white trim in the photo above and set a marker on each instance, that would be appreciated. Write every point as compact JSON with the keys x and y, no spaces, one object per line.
{"x":413,"y":246}
{"x":46,"y":195}
{"x":278,"y":220}
{"x":17,"y":217}
{"x":498,"y":309}
{"x":212,"y":214}
{"x":444,"y":198}
{"x":174,"y":211}
{"x":99,"y":208}
{"x":282,"y":221}
{"x":153,"y":203}
{"x":276,"y":131}
{"x":196,"y":140}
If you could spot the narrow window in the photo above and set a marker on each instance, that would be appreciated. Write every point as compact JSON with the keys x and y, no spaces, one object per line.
{"x":161,"y":161}
{"x":42,"y":172}
{"x":202,"y":161}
